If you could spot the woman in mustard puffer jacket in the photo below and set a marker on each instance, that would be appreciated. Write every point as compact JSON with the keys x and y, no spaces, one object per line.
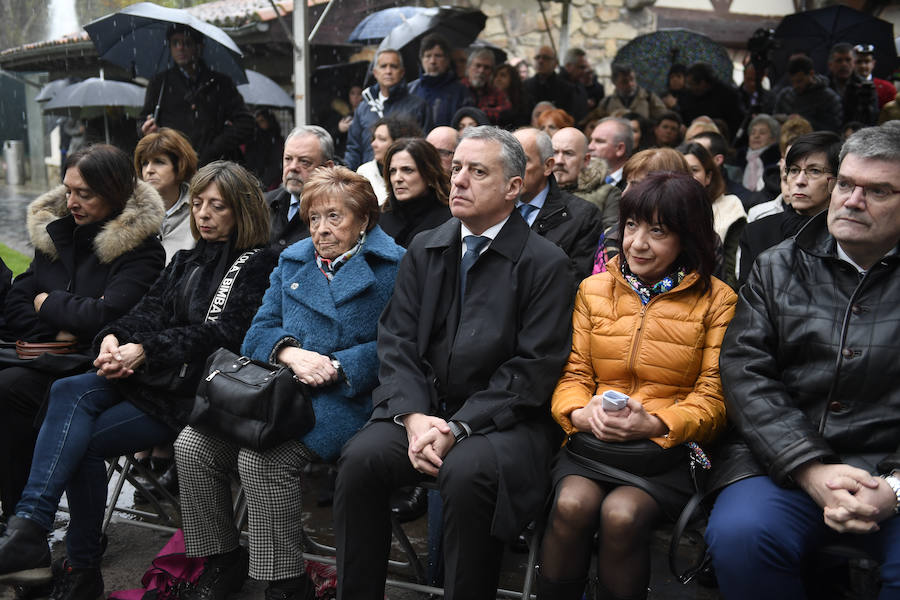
{"x":650,"y":327}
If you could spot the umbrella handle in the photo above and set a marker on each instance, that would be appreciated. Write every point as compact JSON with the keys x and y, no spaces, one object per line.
{"x":162,"y":88}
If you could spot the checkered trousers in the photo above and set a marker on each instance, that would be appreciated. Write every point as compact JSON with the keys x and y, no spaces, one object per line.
{"x":271,"y":481}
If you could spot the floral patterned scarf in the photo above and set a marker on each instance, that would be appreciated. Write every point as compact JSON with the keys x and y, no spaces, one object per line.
{"x":329,"y":267}
{"x":645,"y":292}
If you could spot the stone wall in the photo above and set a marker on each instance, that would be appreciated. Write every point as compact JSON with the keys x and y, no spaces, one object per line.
{"x":601,"y":27}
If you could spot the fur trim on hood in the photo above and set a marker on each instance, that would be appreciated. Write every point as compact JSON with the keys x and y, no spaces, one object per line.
{"x":141,"y":218}
{"x":593,"y":175}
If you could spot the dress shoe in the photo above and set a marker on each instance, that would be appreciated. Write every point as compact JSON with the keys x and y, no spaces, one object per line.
{"x":224,"y":574}
{"x":24,"y":553}
{"x":408,"y":504}
{"x":78,"y":584}
{"x":168,"y":480}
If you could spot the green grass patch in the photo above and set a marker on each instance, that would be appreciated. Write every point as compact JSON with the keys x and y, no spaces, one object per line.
{"x":16,"y":261}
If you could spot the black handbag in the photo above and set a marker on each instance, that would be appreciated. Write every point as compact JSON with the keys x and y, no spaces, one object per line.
{"x":251,"y":403}
{"x":639,"y":457}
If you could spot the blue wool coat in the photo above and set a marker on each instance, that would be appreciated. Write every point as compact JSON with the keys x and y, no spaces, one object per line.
{"x":338,"y":319}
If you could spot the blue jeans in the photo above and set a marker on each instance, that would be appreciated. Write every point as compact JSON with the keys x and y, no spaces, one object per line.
{"x":87,"y":421}
{"x":760,"y":537}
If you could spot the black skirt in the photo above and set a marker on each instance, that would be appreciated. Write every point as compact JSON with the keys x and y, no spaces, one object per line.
{"x":671,"y":489}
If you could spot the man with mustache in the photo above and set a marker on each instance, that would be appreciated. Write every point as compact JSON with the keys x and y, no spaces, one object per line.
{"x":306,"y":148}
{"x":578,"y":173}
{"x":809,"y":368}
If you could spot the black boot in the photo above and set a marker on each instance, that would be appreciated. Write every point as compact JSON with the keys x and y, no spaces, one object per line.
{"x":224,"y":574}
{"x":78,"y":584}
{"x":24,"y":553}
{"x":549,"y":589}
{"x":298,"y":588}
{"x":168,"y":480}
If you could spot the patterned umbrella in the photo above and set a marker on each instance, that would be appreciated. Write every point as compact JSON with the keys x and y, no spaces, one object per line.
{"x":653,"y":54}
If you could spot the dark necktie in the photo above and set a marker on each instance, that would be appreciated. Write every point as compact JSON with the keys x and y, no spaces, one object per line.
{"x":474,"y":244}
{"x":526,"y":209}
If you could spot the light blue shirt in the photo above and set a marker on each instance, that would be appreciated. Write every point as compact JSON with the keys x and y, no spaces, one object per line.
{"x":537,"y":202}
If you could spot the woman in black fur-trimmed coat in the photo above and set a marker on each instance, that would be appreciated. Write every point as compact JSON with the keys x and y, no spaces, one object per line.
{"x":90,"y":417}
{"x":96,"y":252}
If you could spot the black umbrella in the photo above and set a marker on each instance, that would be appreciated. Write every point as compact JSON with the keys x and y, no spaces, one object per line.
{"x":376,"y":26}
{"x":652,"y":55}
{"x":91,"y":97}
{"x":460,"y":26}
{"x":135,"y":39}
{"x":814,"y":32}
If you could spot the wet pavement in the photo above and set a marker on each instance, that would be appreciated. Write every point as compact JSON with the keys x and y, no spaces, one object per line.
{"x":13,"y":201}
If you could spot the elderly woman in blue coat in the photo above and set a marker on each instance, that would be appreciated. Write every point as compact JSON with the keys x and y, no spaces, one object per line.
{"x":319,"y":317}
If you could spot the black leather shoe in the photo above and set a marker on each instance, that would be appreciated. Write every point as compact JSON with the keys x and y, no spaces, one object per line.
{"x":408,"y":504}
{"x":169,"y":480}
{"x":78,"y":584}
{"x":299,"y":588}
{"x":223,"y":575}
{"x":24,"y":553}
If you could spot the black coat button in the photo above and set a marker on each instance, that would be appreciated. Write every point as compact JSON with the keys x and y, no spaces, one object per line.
{"x":835,"y":406}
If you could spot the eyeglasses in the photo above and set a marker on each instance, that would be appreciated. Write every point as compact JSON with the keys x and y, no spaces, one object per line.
{"x":875,"y":192}
{"x":543,"y":57}
{"x":864,"y":48}
{"x":812,"y":173}
{"x":445,"y":152}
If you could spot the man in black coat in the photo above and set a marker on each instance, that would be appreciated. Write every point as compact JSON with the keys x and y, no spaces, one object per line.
{"x":547,"y":84}
{"x":470,"y":348}
{"x":200,"y":103}
{"x":711,"y":97}
{"x":306,"y":148}
{"x":566,"y":220}
{"x":809,"y":368}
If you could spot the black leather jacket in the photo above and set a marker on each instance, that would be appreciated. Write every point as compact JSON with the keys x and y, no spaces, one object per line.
{"x":810,"y":364}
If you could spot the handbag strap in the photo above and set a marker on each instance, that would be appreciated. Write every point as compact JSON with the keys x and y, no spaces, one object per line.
{"x":220,"y":298}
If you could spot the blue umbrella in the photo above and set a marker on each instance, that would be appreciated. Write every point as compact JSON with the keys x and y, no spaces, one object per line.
{"x":376,"y":26}
{"x":135,"y":39}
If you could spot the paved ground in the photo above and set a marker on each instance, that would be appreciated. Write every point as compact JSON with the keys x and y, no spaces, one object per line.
{"x":13,"y":200}
{"x":131,"y":548}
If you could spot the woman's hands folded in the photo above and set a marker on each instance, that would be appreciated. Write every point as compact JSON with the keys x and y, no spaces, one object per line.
{"x":115,"y":361}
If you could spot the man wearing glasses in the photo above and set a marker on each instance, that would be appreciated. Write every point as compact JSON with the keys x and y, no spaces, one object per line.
{"x":202,"y":104}
{"x":810,"y":367}
{"x":546,"y":84}
{"x":810,"y":163}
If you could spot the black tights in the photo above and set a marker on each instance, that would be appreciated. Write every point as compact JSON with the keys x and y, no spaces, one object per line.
{"x":625,"y":517}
